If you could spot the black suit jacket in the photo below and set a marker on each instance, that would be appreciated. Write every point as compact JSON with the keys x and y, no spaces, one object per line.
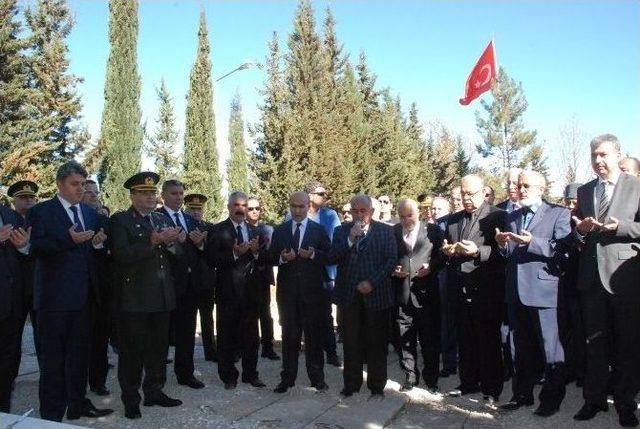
{"x":236,"y":278}
{"x":480,"y":278}
{"x":300,"y":279}
{"x":425,"y":251}
{"x":11,"y":280}
{"x":185,"y":269}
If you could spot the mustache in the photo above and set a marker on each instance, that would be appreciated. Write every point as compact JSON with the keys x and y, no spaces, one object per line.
{"x":239,"y":213}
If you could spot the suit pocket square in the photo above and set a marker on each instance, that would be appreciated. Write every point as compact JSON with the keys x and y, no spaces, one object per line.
{"x":627,"y":254}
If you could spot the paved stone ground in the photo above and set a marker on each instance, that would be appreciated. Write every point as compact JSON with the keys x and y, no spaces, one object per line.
{"x":301,"y":407}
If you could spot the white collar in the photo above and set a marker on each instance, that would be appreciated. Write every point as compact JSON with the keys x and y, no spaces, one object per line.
{"x":66,"y":204}
{"x":171,"y":211}
{"x":303,"y":222}
{"x":236,"y":225}
{"x":613,"y":180}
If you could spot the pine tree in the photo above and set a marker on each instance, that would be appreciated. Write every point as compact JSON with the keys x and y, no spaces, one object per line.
{"x":502,"y":130}
{"x":54,"y":92}
{"x":461,"y":159}
{"x":19,"y":130}
{"x":443,"y":161}
{"x":237,"y":168}
{"x":121,"y":131}
{"x":201,"y":172}
{"x":415,"y":134}
{"x":161,"y":148}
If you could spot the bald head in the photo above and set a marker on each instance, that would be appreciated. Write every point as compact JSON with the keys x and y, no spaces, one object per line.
{"x":299,"y":205}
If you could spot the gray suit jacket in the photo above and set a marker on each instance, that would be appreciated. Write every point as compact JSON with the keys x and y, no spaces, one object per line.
{"x":612,"y":255}
{"x":533,"y":270}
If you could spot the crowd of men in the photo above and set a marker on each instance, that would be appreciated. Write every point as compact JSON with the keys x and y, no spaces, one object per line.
{"x":526,"y":289}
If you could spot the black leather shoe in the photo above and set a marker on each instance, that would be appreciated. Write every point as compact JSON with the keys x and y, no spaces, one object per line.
{"x":406,"y":386}
{"x":101,"y":391}
{"x":589,"y":411}
{"x":230,"y":385}
{"x":132,"y":412}
{"x":627,"y":419}
{"x":320,"y":386}
{"x":546,"y":410}
{"x":334,"y":360}
{"x":282,"y":388}
{"x":87,"y":410}
{"x":162,"y":400}
{"x":256,"y":382}
{"x":461,"y":391}
{"x":270,"y":354}
{"x":516,"y":403}
{"x":433,"y":390}
{"x":348,"y":392}
{"x":376,"y":394}
{"x":192,"y":382}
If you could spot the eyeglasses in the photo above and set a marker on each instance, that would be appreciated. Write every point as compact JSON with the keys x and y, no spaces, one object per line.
{"x":469,"y":193}
{"x":320,"y":194}
{"x":253,"y":209}
{"x":384,"y":201}
{"x":346,"y":212}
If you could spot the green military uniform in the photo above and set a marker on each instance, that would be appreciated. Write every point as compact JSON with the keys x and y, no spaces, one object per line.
{"x":143,"y":299}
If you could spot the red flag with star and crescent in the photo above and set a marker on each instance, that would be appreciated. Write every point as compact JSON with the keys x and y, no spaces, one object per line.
{"x":481,"y":77}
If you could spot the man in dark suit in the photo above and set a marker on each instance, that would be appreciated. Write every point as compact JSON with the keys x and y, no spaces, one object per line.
{"x":100,"y":309}
{"x":143,"y":245}
{"x":186,"y":272}
{"x":194,"y":204}
{"x":65,"y":233}
{"x":366,"y":253}
{"x":23,"y":195}
{"x":265,"y":274}
{"x":299,"y":249}
{"x":14,"y":245}
{"x":608,"y":229}
{"x":476,"y":272}
{"x":532,"y":244}
{"x":234,"y":248}
{"x":417,"y":294}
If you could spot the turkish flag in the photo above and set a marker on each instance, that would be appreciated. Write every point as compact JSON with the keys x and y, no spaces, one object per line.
{"x":481,"y":76}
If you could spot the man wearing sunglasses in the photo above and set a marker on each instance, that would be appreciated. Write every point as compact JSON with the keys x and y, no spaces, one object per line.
{"x":385,"y":210}
{"x":327,"y":217}
{"x":265,"y":275}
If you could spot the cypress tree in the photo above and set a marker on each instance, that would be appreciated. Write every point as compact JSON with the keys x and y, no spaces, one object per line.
{"x":200,"y":153}
{"x":277,"y":172}
{"x":162,"y":146}
{"x":415,"y":134}
{"x":121,"y":131}
{"x":237,"y":167}
{"x":443,"y":161}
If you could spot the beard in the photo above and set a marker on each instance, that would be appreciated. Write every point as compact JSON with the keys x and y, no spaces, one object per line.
{"x":529,"y":201}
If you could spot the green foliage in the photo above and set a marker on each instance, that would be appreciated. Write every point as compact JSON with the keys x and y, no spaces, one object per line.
{"x":200,"y":153}
{"x":161,"y":148}
{"x":237,"y":165}
{"x":502,"y":130}
{"x":121,"y":132}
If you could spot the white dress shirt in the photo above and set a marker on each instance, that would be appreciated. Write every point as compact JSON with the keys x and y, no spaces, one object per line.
{"x":410,"y":237}
{"x":610,"y":185}
{"x":67,"y":208}
{"x":172,"y":215}
{"x":303,"y":228}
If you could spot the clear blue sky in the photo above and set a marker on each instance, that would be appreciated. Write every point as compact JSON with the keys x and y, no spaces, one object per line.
{"x":575,"y":59}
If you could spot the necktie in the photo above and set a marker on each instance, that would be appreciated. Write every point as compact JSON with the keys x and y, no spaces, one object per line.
{"x":603,"y":205}
{"x":76,"y":219}
{"x":466,"y":229}
{"x":239,"y":232}
{"x":362,"y":242}
{"x":295,"y":242}
{"x":514,"y":207}
{"x":527,"y":215}
{"x":178,"y":222}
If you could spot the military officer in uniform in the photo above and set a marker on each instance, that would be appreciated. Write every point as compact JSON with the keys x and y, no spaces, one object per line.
{"x":142,"y":243}
{"x":24,"y":196}
{"x":194,"y":205}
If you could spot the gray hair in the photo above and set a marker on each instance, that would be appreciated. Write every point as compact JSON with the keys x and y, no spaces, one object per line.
{"x":366,"y":199}
{"x":604,"y":138}
{"x":172,"y":183}
{"x":69,"y":168}
{"x":539,"y":176}
{"x":237,"y":195}
{"x":407,"y":202}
